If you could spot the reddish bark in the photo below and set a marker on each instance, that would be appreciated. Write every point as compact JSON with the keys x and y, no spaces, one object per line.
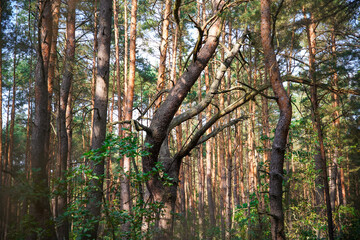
{"x":163,"y":49}
{"x":129,"y":101}
{"x":40,"y":209}
{"x":62,"y":228}
{"x":282,"y":128}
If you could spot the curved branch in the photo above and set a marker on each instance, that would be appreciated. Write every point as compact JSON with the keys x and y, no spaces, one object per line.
{"x":152,"y":102}
{"x":138,"y":126}
{"x":219,"y":129}
{"x":194,"y":140}
{"x":213,"y":88}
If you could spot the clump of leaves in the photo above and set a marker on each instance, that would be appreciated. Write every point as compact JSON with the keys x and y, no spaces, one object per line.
{"x":143,"y":212}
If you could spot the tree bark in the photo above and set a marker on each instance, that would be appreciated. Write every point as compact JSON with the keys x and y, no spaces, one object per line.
{"x":100,"y":112}
{"x":282,"y":128}
{"x":321,"y":180}
{"x":1,"y":76}
{"x":201,"y":177}
{"x":93,"y":78}
{"x":40,"y":207}
{"x":164,"y":115}
{"x":129,"y":101}
{"x":209,"y":149}
{"x":62,"y":227}
{"x":117,"y":61}
{"x":229,"y":160}
{"x":163,"y":49}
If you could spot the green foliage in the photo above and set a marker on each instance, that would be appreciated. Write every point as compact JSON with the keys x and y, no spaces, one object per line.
{"x":112,"y":216}
{"x":252,"y":223}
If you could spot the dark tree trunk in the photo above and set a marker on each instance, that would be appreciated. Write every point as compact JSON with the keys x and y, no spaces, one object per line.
{"x":40,"y":205}
{"x":62,"y":229}
{"x":282,"y":128}
{"x":100,"y":111}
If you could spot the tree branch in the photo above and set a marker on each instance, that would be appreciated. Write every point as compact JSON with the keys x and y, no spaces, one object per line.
{"x":321,"y":85}
{"x":194,"y":140}
{"x":219,"y":129}
{"x":213,"y":88}
{"x":138,"y":126}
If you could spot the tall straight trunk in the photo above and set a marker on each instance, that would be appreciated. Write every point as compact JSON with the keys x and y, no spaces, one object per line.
{"x":126,"y":47}
{"x":10,"y":147}
{"x":62,"y":227}
{"x":282,"y":128}
{"x":129,"y":100}
{"x":93,"y":78}
{"x":55,"y":8}
{"x":222,"y":155}
{"x":7,"y":166}
{"x":100,"y":109}
{"x":69,"y":118}
{"x":265,"y":123}
{"x":1,"y":143}
{"x":208,"y":145}
{"x":321,"y":180}
{"x":40,"y":209}
{"x":117,"y":60}
{"x":28,"y":122}
{"x":163,"y":49}
{"x":174,"y":53}
{"x":239,"y":167}
{"x":337,"y":180}
{"x":1,"y":65}
{"x":201,"y":178}
{"x":229,"y":162}
{"x":209,"y":150}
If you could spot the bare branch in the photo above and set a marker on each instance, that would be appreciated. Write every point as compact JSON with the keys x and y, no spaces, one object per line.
{"x":219,"y":129}
{"x":138,"y":126}
{"x":213,"y":88}
{"x":152,"y":102}
{"x":194,"y":140}
{"x":321,"y":85}
{"x":231,"y":89}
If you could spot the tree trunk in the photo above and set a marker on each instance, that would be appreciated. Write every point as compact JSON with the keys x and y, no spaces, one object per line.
{"x":10,"y":147}
{"x":164,"y":115}
{"x":229,"y":162}
{"x":55,"y":8}
{"x":201,"y":177}
{"x":282,"y":128}
{"x":209,"y":151}
{"x":100,"y":112}
{"x":126,"y":48}
{"x":163,"y":49}
{"x":1,"y":65}
{"x":93,"y":78}
{"x":129,"y":101}
{"x":62,"y":228}
{"x":321,"y":181}
{"x":117,"y":61}
{"x":40,"y":209}
{"x":222,"y":155}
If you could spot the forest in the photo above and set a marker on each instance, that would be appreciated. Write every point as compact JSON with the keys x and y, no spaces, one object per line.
{"x":179,"y":119}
